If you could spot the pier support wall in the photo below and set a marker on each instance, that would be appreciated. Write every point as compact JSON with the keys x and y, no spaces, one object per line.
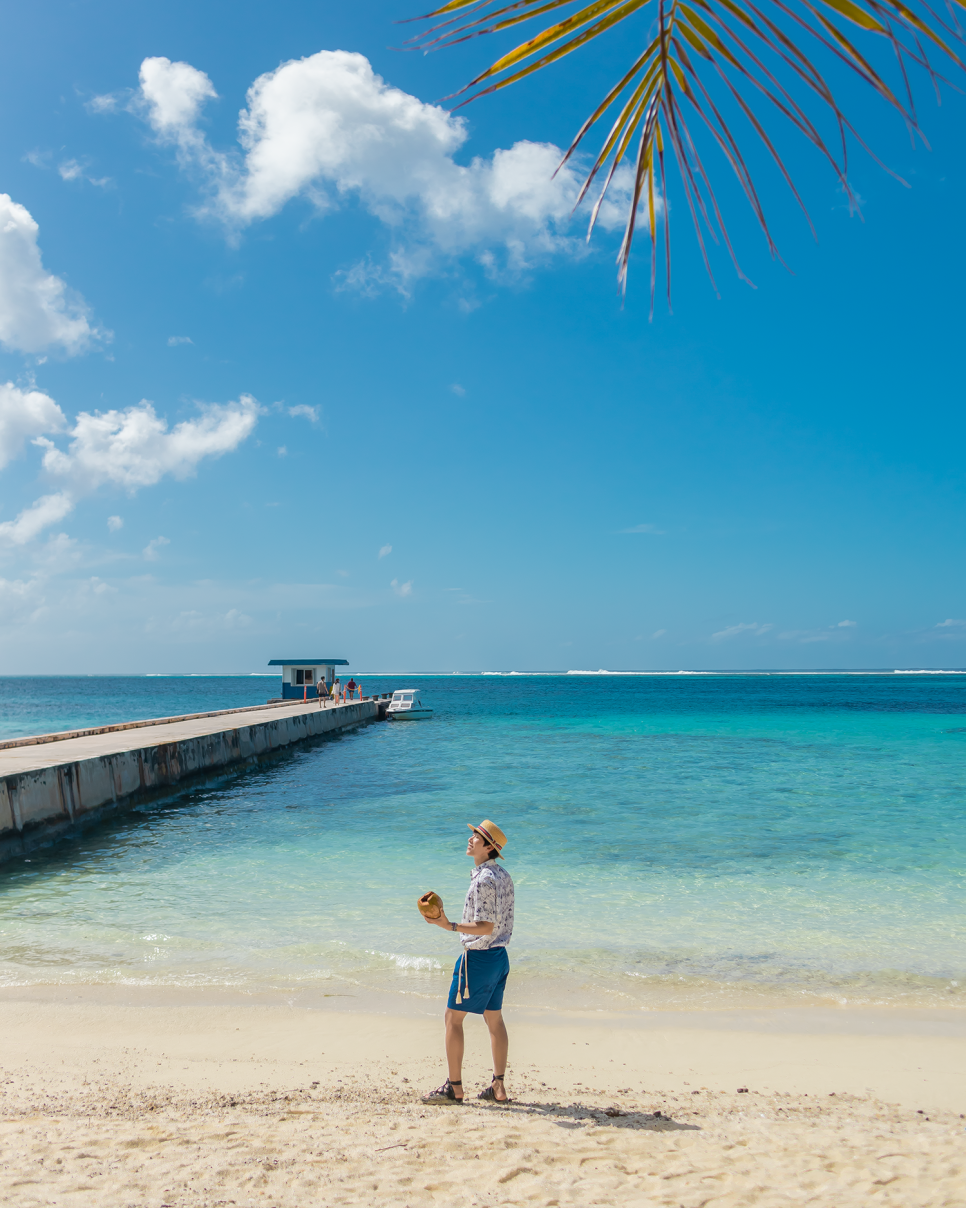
{"x":41,"y":805}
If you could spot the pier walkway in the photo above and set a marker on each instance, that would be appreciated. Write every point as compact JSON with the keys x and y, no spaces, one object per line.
{"x":53,"y":784}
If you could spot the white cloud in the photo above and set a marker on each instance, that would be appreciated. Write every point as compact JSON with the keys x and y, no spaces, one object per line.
{"x":459,"y":390}
{"x":190,"y":620}
{"x":949,"y":623}
{"x":658,"y":633}
{"x":310,"y":413}
{"x":73,"y":169}
{"x":135,"y":448}
{"x":110,"y":102}
{"x":645,"y":528}
{"x":115,"y":523}
{"x":173,"y":94}
{"x":174,"y":341}
{"x":25,"y":414}
{"x":150,"y":551}
{"x":402,"y":589}
{"x":828,"y":634}
{"x":58,"y":554}
{"x":32,"y":521}
{"x":37,"y":311}
{"x":130,"y":449}
{"x":282,"y":451}
{"x":749,"y":627}
{"x":69,"y":169}
{"x":19,"y":600}
{"x":386,"y":549}
{"x":327,"y":127}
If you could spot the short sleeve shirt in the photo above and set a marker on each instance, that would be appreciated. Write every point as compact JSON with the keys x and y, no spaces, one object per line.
{"x":489,"y":900}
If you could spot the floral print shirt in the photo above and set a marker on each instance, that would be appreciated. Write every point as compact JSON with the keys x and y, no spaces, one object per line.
{"x":489,"y":900}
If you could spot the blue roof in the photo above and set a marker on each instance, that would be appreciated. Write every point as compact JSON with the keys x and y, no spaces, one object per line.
{"x":308,"y":662}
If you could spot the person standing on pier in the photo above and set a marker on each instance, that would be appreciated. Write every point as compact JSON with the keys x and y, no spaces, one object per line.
{"x":350,"y":688}
{"x":479,"y":978}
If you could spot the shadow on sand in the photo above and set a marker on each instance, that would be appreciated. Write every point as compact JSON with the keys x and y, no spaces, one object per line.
{"x":573,"y":1115}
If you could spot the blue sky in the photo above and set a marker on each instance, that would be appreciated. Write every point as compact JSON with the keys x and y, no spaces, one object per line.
{"x":395,"y":408}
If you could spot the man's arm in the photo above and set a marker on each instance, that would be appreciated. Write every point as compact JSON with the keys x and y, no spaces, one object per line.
{"x":484,"y":903}
{"x":462,"y":928}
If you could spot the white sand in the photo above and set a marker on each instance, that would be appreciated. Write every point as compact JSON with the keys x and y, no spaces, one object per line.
{"x":122,"y":1098}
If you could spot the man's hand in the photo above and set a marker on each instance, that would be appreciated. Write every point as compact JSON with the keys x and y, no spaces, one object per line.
{"x":442,"y":921}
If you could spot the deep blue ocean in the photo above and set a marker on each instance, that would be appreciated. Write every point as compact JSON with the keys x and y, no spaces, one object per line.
{"x":675,"y":840}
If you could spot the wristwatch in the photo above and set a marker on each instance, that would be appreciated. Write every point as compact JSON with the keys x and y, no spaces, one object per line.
{"x":453,"y":926}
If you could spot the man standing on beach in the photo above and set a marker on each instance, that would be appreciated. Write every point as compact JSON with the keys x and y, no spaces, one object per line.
{"x":479,"y":977}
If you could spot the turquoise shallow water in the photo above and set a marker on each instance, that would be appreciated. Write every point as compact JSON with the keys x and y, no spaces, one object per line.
{"x":712,"y":840}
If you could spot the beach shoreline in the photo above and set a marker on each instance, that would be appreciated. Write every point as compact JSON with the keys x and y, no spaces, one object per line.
{"x":202,"y":1101}
{"x":223,"y":1039}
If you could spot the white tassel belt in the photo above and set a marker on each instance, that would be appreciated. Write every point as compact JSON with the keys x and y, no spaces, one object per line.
{"x":464,"y":978}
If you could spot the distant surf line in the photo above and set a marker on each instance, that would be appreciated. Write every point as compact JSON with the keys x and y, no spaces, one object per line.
{"x":684,"y":671}
{"x":731,"y":672}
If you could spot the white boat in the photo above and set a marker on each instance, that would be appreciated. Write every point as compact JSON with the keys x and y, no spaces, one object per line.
{"x":406,"y":706}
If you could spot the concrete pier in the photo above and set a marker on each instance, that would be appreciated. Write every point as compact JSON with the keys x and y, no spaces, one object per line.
{"x":54,"y":784}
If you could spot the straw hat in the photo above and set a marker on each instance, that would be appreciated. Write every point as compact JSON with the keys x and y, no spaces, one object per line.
{"x":492,"y":834}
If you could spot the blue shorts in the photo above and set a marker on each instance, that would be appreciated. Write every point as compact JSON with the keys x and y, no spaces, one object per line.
{"x":485,"y":972}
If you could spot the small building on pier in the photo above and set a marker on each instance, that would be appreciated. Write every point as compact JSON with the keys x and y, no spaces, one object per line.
{"x":301,"y":677}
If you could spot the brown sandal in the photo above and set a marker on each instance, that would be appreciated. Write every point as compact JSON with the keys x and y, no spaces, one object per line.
{"x":490,"y":1094}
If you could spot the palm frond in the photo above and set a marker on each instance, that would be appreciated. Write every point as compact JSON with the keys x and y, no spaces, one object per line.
{"x":749,"y":53}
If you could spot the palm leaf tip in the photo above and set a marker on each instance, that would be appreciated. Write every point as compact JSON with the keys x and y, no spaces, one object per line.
{"x":709,"y":65}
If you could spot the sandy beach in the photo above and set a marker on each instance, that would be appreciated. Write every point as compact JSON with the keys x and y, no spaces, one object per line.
{"x":138,"y":1097}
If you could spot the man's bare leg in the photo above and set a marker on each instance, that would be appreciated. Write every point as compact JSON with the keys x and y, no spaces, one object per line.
{"x":454,"y":1048}
{"x":499,"y":1046}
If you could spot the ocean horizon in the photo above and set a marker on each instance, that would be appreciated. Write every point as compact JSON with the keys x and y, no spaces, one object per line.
{"x":677,"y":841}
